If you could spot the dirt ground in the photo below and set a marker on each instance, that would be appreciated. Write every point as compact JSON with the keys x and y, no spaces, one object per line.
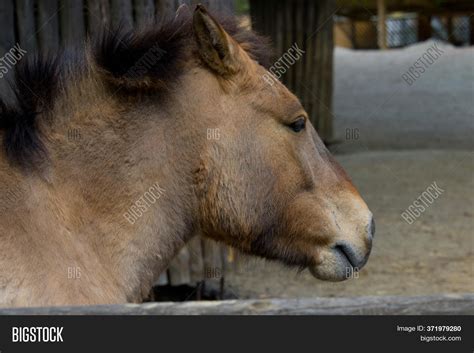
{"x":434,"y":112}
{"x":409,"y":137}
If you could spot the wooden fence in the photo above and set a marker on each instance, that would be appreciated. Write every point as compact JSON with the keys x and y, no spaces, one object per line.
{"x":459,"y":304}
{"x":48,"y":24}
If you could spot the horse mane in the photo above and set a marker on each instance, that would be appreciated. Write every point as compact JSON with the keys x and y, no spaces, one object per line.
{"x":121,"y":58}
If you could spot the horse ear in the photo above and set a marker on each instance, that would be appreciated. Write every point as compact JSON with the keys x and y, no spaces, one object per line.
{"x":216,"y":48}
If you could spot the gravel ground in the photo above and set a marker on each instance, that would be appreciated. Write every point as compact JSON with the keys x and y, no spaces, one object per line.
{"x":402,"y":138}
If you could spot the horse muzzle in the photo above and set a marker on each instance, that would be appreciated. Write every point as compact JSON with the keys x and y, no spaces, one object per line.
{"x":344,"y":259}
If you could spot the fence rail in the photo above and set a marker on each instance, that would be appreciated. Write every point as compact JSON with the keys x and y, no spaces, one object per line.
{"x":454,"y":304}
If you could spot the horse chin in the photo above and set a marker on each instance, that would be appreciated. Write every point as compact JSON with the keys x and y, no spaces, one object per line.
{"x":325,"y":274}
{"x":334,"y":268}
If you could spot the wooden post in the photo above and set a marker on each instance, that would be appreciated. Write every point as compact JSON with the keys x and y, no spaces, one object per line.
{"x":221,"y":6}
{"x":353,"y":33}
{"x":213,"y":264}
{"x":424,"y":27}
{"x":48,"y":25}
{"x":449,"y":29}
{"x":144,"y":12}
{"x":121,"y":13}
{"x":196,"y":260}
{"x":25,"y":18}
{"x":7,"y":18}
{"x":471,"y":30}
{"x":381,"y":24}
{"x":163,"y":279}
{"x":98,"y":14}
{"x":179,"y":272}
{"x":164,"y":9}
{"x":72,"y":22}
{"x":7,"y":41}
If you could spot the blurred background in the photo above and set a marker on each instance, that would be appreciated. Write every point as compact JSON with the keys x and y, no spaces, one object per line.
{"x":388,"y":85}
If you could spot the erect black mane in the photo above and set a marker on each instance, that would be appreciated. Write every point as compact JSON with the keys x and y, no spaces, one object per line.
{"x":154,"y":54}
{"x":34,"y":88}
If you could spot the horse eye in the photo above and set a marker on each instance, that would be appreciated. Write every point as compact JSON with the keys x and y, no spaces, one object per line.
{"x":298,"y":125}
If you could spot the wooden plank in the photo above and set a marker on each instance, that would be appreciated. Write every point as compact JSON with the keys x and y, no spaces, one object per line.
{"x":255,"y":16}
{"x":196,"y":261}
{"x":26,"y":26}
{"x":288,"y":77}
{"x":121,"y":13}
{"x":300,"y":30}
{"x":318,"y":69}
{"x":381,"y":24}
{"x":98,"y":15}
{"x":213,"y":261}
{"x":244,"y":263}
{"x":72,"y":22}
{"x":164,"y":9}
{"x":449,"y":29}
{"x":279,"y":36}
{"x":325,"y":118}
{"x":424,"y":27}
{"x":48,"y":25}
{"x":162,"y":280}
{"x":7,"y":41}
{"x":7,"y":35}
{"x":307,"y":98}
{"x":178,"y":272}
{"x":455,"y":304}
{"x":471,"y":30}
{"x":219,"y":6}
{"x":213,"y":266}
{"x":144,"y":12}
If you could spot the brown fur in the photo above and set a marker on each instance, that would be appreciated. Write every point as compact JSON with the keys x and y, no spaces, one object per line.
{"x":260,"y":187}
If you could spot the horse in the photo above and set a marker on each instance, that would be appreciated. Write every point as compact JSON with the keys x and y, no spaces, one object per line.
{"x":116,"y":155}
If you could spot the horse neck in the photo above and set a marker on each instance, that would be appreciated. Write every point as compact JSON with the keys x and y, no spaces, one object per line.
{"x":105,"y":174}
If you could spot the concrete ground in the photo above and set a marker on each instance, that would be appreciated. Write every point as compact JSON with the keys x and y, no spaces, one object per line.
{"x":400,"y":140}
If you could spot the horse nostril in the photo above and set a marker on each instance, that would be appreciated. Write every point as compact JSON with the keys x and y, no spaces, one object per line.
{"x":372,"y":228}
{"x":356,"y":259}
{"x":348,"y":253}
